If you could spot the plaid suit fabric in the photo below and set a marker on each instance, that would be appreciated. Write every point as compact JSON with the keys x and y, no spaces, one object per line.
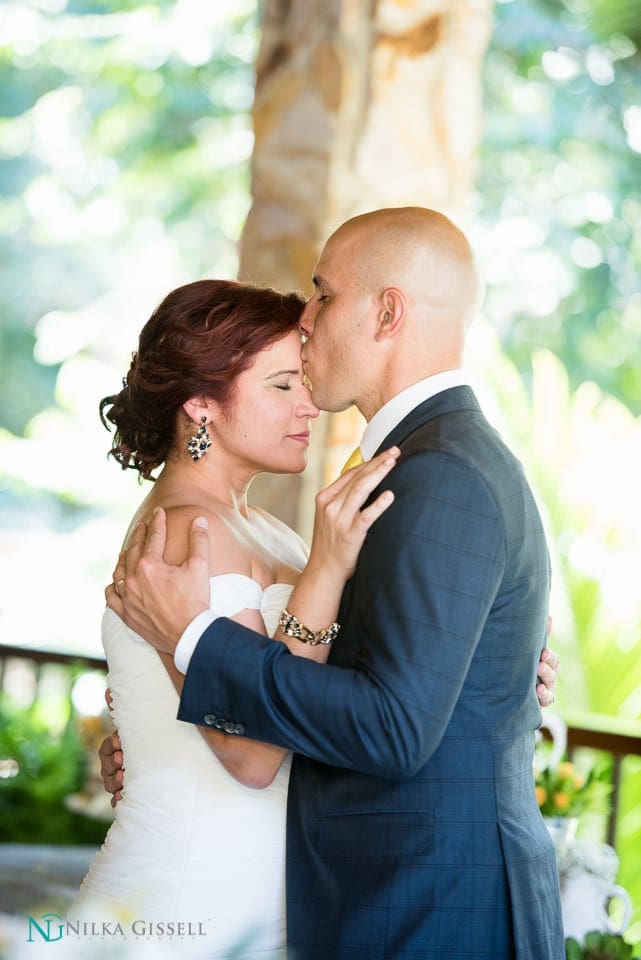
{"x":413,"y":830}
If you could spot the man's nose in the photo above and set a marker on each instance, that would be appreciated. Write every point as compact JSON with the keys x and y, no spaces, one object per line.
{"x":306,"y":322}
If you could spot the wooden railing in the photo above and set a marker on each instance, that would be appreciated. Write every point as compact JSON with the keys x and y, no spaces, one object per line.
{"x":39,"y":660}
{"x":611,"y":735}
{"x":604,"y":733}
{"x":40,"y":657}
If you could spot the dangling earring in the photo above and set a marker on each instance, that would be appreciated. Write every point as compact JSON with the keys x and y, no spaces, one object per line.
{"x":198,"y":445}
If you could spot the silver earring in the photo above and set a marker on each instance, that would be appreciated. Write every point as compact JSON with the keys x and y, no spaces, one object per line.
{"x":199,"y":444}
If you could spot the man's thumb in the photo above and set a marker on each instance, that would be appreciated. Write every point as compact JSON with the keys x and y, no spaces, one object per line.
{"x":199,"y":539}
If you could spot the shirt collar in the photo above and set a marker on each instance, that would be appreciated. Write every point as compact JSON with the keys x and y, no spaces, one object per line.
{"x":391,"y":413}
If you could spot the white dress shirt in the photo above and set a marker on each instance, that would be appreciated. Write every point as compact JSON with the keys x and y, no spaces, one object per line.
{"x":381,"y":424}
{"x":396,"y":409}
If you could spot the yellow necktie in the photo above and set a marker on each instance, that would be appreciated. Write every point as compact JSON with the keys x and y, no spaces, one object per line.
{"x":355,"y":458}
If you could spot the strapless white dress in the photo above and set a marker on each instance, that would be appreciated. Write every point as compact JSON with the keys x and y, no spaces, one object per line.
{"x":189,"y":845}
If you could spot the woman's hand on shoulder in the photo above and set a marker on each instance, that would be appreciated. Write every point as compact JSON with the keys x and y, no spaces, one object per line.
{"x":341,"y":522}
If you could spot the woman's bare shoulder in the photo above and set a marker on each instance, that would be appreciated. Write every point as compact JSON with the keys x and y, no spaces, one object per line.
{"x":282,"y":529}
{"x":271,"y":519}
{"x":227,"y":553}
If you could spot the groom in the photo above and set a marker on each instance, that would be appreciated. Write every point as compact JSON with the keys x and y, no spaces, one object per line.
{"x":413,"y":830}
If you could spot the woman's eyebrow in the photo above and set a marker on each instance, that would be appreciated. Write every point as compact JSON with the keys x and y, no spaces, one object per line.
{"x":281,"y":373}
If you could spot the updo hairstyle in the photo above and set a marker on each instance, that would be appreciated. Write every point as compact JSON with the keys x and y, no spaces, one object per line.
{"x":196,"y":343}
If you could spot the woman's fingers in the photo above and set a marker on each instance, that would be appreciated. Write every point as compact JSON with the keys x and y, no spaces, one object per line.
{"x":111,"y":766}
{"x":364,"y":469}
{"x":362,"y":483}
{"x":550,"y":657}
{"x":110,"y":753}
{"x":375,"y":509}
{"x":341,"y":522}
{"x":347,"y":478}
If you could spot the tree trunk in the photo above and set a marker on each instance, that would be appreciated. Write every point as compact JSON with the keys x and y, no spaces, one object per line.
{"x":359,"y":104}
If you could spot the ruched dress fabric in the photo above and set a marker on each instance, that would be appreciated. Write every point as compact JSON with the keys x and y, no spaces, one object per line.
{"x":189,"y":844}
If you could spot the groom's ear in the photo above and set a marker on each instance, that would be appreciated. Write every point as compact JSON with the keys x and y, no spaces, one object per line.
{"x":391,"y":314}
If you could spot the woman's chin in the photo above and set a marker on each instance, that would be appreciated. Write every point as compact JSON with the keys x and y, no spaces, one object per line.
{"x":299,"y":466}
{"x":286,"y":466}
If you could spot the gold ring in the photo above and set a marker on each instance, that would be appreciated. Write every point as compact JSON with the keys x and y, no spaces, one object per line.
{"x":117,"y":586}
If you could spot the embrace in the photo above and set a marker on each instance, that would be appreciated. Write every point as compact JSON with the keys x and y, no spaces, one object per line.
{"x":393,"y":667}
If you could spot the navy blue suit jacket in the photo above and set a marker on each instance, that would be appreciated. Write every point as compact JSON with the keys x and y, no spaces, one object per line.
{"x":413,"y":829}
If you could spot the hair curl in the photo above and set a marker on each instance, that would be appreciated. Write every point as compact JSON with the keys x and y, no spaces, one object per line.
{"x":196,"y":343}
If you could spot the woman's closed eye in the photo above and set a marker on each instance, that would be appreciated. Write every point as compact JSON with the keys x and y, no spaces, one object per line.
{"x":283,"y":386}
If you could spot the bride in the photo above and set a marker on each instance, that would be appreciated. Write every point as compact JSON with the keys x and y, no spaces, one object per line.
{"x":214,"y":396}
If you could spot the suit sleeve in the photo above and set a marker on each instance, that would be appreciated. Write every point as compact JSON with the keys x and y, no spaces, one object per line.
{"x":427,"y":577}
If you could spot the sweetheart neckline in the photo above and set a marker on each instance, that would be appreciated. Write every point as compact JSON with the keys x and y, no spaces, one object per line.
{"x":243,"y":576}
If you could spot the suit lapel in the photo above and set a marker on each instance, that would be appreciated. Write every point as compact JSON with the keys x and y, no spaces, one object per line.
{"x":344,"y":652}
{"x":447,"y":401}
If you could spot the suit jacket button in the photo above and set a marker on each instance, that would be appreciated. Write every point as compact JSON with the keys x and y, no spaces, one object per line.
{"x":210,"y":719}
{"x":239,"y":729}
{"x":219,"y":723}
{"x":229,"y":727}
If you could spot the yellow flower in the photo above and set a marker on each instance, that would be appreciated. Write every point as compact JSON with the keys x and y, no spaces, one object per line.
{"x":566,"y":769}
{"x":541,"y":795}
{"x":561,"y":800}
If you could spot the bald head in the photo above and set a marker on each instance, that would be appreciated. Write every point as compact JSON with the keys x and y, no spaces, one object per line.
{"x":424,"y":254}
{"x":396,"y":290}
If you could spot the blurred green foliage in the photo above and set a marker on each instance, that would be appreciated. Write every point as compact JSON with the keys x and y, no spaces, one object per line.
{"x":561,"y":178}
{"x":49,"y":766}
{"x":599,"y":946}
{"x":122,"y":125}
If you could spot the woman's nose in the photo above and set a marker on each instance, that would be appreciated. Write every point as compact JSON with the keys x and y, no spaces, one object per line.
{"x":308,"y":408}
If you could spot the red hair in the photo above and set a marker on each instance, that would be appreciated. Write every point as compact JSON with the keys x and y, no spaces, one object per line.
{"x":196,"y":343}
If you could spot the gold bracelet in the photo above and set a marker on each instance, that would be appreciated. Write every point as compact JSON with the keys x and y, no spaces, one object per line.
{"x":292,"y":627}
